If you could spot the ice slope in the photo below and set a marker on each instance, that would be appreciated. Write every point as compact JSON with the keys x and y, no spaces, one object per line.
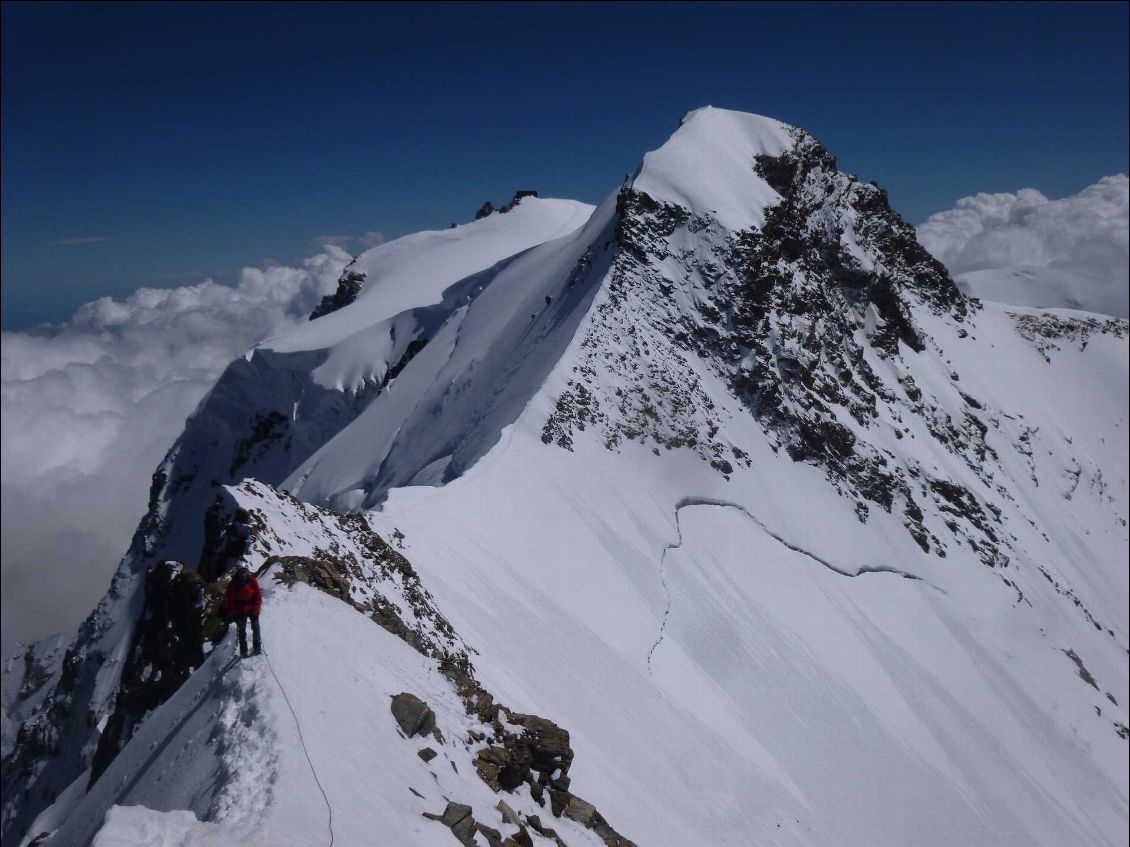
{"x":264,"y":416}
{"x":27,"y":677}
{"x":289,"y":395}
{"x":300,"y":746}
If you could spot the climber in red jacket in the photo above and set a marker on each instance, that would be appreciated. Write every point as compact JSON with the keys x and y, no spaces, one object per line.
{"x":243,"y":601}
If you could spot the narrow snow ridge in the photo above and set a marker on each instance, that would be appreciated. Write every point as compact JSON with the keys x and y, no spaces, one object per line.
{"x":726,"y":504}
{"x":415,"y":270}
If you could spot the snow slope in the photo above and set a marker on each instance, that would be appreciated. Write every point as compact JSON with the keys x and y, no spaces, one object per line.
{"x":1046,"y":288}
{"x":728,"y":480}
{"x":416,"y":270}
{"x":232,"y":731}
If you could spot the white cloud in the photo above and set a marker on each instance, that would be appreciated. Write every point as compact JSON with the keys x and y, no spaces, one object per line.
{"x":1029,"y":250}
{"x":90,"y":407}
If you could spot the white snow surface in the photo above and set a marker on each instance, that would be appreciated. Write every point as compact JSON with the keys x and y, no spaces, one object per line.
{"x":230,"y":748}
{"x":415,"y":270}
{"x":707,"y":166}
{"x":849,"y":710}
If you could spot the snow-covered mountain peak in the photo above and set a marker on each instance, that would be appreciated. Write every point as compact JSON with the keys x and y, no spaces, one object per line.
{"x":725,"y":480}
{"x":705,"y":167}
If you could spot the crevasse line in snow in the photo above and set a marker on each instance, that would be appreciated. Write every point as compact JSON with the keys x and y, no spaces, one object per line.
{"x":726,"y":504}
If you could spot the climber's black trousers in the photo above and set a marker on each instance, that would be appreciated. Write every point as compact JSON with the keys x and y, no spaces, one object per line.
{"x":241,"y":628}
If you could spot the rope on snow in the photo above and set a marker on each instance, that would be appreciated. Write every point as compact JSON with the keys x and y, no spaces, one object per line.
{"x":302,"y":741}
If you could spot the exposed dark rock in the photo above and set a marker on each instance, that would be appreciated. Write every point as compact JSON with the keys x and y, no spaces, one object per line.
{"x":464,"y":831}
{"x":414,"y":347}
{"x":1045,"y":330}
{"x":518,"y":197}
{"x":412,"y":714}
{"x":457,"y":817}
{"x":1084,"y":674}
{"x":181,"y":610}
{"x":427,"y":754}
{"x":486,"y":209}
{"x":325,"y":575}
{"x":265,"y":427}
{"x":454,"y":813}
{"x":227,"y":538}
{"x":349,"y":286}
{"x":791,"y":317}
{"x":492,"y":835}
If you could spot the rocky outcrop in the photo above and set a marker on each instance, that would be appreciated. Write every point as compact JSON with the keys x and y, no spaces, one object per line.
{"x":359,"y":568}
{"x":794,"y":316}
{"x":516,"y":199}
{"x":182,"y":611}
{"x":1047,"y":332}
{"x":324,"y":575}
{"x":349,"y":286}
{"x":488,"y":208}
{"x":537,"y":757}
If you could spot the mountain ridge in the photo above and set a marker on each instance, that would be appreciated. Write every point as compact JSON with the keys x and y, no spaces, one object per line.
{"x":566,"y":446}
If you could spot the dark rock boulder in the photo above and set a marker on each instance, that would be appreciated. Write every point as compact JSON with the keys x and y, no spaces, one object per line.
{"x":412,"y":714}
{"x":458,"y":818}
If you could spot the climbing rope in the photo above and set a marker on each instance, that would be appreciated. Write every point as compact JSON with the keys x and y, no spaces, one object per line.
{"x":302,"y":741}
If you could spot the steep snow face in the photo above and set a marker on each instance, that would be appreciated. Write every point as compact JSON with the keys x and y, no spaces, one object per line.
{"x":416,"y":270}
{"x":705,"y":166}
{"x":800,"y":544}
{"x":813,"y":515}
{"x":487,"y":353}
{"x":292,"y":394}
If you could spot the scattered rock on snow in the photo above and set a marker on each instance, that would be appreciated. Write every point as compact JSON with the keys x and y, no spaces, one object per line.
{"x":412,"y":714}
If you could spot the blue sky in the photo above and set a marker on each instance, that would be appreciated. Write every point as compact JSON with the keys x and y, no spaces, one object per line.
{"x":162,"y":144}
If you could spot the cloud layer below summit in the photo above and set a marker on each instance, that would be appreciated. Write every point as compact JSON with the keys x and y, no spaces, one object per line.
{"x":91,"y":405}
{"x":1025,"y":249}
